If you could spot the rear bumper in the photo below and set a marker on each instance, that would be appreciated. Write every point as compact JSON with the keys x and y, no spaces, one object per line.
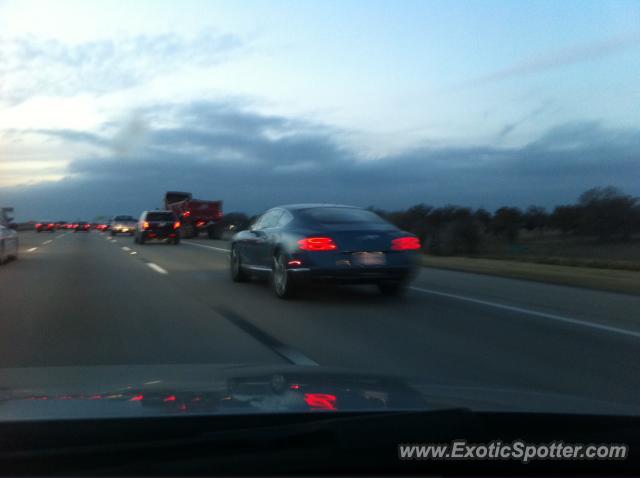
{"x":340,"y":267}
{"x":147,"y":235}
{"x":369,"y":275}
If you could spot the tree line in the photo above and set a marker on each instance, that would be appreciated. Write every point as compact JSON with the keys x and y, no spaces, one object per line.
{"x":605,"y":213}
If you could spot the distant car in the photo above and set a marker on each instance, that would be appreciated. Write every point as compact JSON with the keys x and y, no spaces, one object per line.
{"x":82,"y":227}
{"x":45,"y":227}
{"x":61,"y":225}
{"x":102,"y":227}
{"x":304,"y":243}
{"x":8,"y":244}
{"x":159,"y":225}
{"x":123,"y":225}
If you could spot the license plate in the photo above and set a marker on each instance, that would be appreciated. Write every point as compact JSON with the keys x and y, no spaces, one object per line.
{"x":369,"y":258}
{"x":162,"y":224}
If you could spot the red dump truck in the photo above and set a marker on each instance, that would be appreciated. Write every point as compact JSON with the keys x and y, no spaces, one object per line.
{"x":196,"y":215}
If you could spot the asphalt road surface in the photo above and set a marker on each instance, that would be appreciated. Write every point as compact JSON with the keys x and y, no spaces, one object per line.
{"x":86,"y":299}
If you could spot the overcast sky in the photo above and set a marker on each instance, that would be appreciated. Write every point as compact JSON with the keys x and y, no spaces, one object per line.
{"x":106,"y":105}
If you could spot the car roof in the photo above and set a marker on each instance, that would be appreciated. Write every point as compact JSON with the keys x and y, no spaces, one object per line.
{"x":298,"y":207}
{"x":158,"y":210}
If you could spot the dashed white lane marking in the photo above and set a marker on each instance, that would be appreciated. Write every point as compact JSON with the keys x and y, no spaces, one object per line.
{"x":157,"y":268}
{"x":32,"y":249}
{"x":219,"y":249}
{"x":534,"y":313}
{"x":60,"y":235}
{"x":133,"y":252}
{"x":47,"y":242}
{"x":125,"y":248}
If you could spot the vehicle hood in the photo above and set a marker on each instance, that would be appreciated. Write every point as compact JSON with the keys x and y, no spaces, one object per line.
{"x":136,"y":391}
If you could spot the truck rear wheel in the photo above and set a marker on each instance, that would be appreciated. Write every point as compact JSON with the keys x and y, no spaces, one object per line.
{"x":189,"y":231}
{"x":214,"y":232}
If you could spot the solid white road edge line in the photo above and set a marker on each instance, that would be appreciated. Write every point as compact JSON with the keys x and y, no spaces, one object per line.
{"x":535,"y":313}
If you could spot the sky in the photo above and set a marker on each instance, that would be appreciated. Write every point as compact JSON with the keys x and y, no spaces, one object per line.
{"x":105,"y":105}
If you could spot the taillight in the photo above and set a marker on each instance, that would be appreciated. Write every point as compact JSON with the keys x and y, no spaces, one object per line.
{"x":405,"y":244}
{"x":317,"y":244}
{"x":39,"y":225}
{"x":176,"y":225}
{"x":187,"y":214}
{"x":145,"y":225}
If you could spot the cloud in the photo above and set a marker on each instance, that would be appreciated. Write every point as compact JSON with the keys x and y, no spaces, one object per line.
{"x":560,"y":58}
{"x":510,"y":127}
{"x":31,"y":65}
{"x":253,"y":161}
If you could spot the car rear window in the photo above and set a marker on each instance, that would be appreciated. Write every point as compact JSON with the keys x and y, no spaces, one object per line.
{"x":160,"y":216}
{"x":341,"y":215}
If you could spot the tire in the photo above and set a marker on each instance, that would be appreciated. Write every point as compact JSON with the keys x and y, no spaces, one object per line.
{"x":135,"y":239}
{"x":175,"y":241}
{"x":188,"y":231}
{"x":141,"y":240}
{"x":214,"y":232}
{"x":281,"y":280}
{"x":391,"y":288}
{"x":237,"y":274}
{"x":2,"y":258}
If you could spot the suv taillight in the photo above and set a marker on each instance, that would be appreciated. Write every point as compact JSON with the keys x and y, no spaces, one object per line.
{"x":317,"y":244}
{"x":145,"y":225}
{"x":405,"y":244}
{"x":176,"y":225}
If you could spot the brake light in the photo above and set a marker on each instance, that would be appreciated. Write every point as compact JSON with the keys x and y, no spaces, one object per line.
{"x":317,"y":244}
{"x":39,"y":225}
{"x":187,"y":214}
{"x":176,"y":225}
{"x":145,"y":225}
{"x":405,"y":244}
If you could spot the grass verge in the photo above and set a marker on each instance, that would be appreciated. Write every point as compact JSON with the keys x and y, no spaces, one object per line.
{"x":602,"y":279}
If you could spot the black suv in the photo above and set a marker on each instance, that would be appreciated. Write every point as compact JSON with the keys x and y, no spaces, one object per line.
{"x":158,"y":225}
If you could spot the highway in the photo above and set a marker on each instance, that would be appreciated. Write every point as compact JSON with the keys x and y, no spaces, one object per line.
{"x":87,"y":299}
